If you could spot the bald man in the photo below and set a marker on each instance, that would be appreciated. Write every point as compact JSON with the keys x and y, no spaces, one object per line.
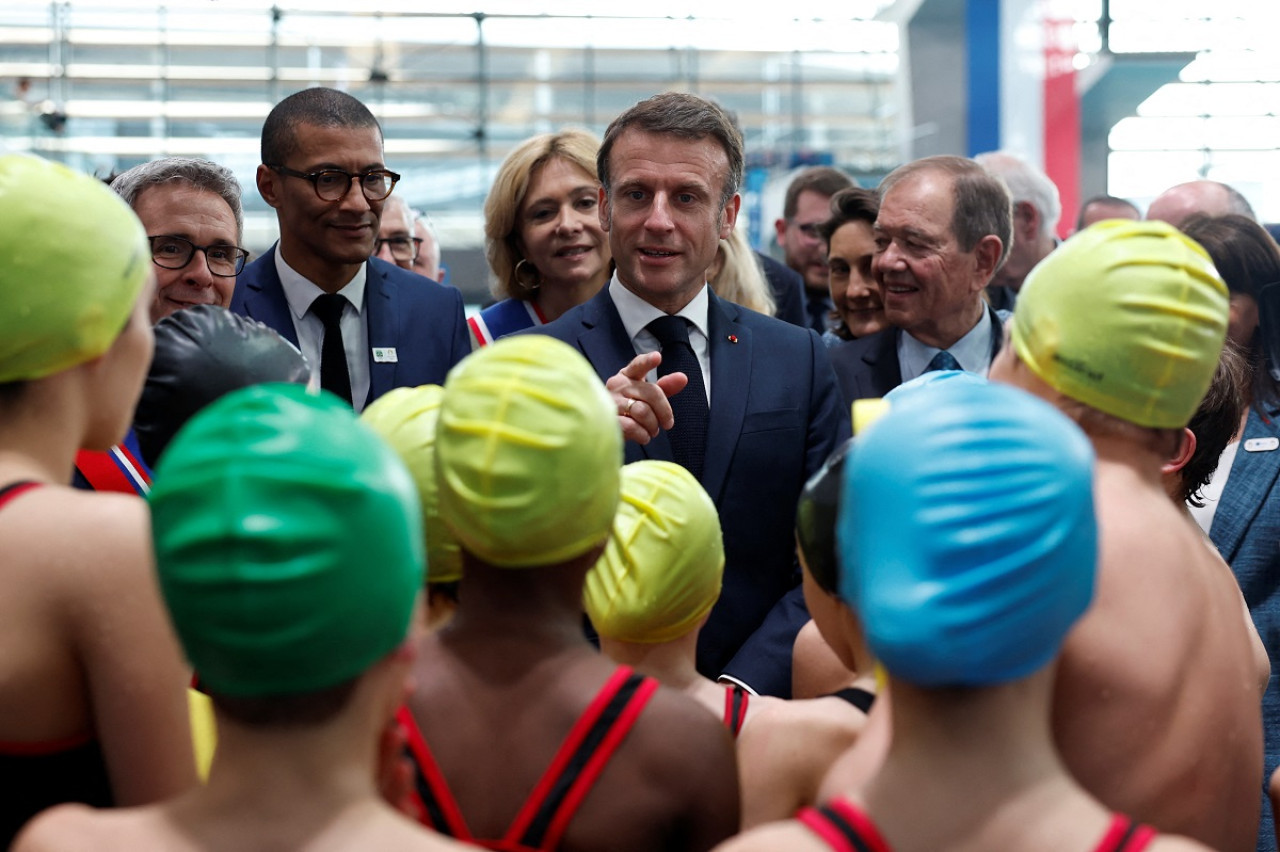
{"x":1177,"y":203}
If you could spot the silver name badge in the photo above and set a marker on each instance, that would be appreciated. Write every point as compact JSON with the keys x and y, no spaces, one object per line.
{"x":387,"y":355}
{"x":1261,"y":445}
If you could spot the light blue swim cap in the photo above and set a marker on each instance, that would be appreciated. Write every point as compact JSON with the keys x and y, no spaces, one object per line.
{"x":967,"y":534}
{"x":932,"y":379}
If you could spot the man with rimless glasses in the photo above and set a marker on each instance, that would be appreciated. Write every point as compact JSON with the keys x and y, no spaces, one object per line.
{"x":369,"y":325}
{"x":191,"y":211}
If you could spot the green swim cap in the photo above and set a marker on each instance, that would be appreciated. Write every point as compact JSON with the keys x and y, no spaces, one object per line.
{"x":527,"y":453}
{"x":406,"y":419}
{"x":288,"y":542}
{"x":661,"y":572}
{"x":73,"y":260}
{"x":1127,"y":317}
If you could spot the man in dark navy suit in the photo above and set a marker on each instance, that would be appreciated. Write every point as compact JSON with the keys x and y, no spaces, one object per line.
{"x":748,"y":403}
{"x":944,"y":227}
{"x":366,"y":325}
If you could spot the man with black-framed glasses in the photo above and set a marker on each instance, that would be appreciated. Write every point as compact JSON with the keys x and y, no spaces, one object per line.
{"x":191,"y":211}
{"x":806,"y":205}
{"x":368,"y":325}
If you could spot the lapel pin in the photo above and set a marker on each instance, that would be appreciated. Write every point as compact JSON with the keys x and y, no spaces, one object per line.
{"x":733,"y":338}
{"x":1261,"y":445}
{"x":384,"y":355}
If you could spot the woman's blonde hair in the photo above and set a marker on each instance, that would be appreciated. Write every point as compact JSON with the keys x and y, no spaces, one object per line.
{"x":509,"y":188}
{"x":740,"y":279}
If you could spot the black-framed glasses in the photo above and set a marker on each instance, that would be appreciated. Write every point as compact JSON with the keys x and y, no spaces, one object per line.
{"x":809,"y":229}
{"x":334,"y":184}
{"x":169,"y":252}
{"x":402,"y":248}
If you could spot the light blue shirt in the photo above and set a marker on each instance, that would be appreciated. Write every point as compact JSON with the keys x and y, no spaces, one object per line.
{"x":636,"y":313}
{"x":973,"y":351}
{"x":300,"y":293}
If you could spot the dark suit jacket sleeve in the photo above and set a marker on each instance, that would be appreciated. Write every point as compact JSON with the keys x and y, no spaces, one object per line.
{"x":788,"y":290}
{"x":764,"y":660}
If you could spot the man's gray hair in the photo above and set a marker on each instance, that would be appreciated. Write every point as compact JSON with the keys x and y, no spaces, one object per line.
{"x":201,"y":174}
{"x":1026,"y":183}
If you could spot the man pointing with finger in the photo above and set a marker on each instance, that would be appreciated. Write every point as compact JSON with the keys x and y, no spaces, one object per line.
{"x":747,"y":403}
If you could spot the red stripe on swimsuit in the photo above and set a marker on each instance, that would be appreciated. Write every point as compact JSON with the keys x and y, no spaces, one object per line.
{"x":545,"y":815}
{"x":735,"y":709}
{"x":845,"y":827}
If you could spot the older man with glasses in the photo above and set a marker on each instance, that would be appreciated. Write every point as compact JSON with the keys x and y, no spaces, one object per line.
{"x":369,"y":325}
{"x":396,"y":242}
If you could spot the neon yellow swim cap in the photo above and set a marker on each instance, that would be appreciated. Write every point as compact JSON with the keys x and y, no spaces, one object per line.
{"x":527,"y":453}
{"x":406,"y":419}
{"x":661,"y":571}
{"x":288,"y":542}
{"x":73,"y":260}
{"x":1127,"y":317}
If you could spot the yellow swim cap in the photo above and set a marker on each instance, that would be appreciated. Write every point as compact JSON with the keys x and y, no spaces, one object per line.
{"x":527,"y":453}
{"x":406,"y":419}
{"x":73,"y":259}
{"x":1127,"y":317}
{"x":661,"y":571}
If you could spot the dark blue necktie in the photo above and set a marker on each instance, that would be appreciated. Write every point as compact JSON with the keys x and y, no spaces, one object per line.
{"x":689,"y":434}
{"x":944,"y":360}
{"x":334,"y":376}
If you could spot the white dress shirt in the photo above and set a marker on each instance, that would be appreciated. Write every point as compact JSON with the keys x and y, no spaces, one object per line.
{"x":636,"y":313}
{"x":300,"y":293}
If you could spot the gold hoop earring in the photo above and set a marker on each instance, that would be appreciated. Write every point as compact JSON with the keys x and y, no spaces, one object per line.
{"x":530,"y":272}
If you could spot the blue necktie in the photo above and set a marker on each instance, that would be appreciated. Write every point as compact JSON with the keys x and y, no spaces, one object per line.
{"x":944,"y":360}
{"x":689,"y":434}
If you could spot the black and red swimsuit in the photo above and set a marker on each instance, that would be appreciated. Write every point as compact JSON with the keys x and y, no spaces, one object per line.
{"x":735,"y":709}
{"x":545,"y":815}
{"x":38,"y":775}
{"x":845,"y":827}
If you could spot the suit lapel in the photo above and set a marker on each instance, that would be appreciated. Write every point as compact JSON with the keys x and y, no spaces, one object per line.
{"x":1253,"y":475}
{"x":603,"y":339}
{"x":380,"y":307}
{"x":264,"y":298}
{"x":730,"y":346}
{"x":882,"y":366}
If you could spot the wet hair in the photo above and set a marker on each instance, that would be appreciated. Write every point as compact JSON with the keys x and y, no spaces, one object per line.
{"x":510,"y":185}
{"x":982,"y":203}
{"x":1215,"y":422}
{"x":823,"y":180}
{"x":201,"y":174}
{"x":684,"y":116}
{"x":318,"y":106}
{"x":300,"y":710}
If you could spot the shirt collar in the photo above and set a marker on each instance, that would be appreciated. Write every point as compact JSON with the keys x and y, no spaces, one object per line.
{"x":636,"y":313}
{"x":973,"y":351}
{"x":300,"y":292}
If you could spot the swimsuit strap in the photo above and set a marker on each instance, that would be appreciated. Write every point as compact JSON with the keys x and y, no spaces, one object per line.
{"x":118,"y":469}
{"x":844,"y":827}
{"x":431,"y":796}
{"x":13,"y":489}
{"x":857,"y":696}
{"x":735,"y":709}
{"x":1125,"y":835}
{"x":582,"y":756}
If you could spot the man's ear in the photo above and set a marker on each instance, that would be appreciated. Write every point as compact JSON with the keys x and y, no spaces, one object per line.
{"x":730,"y":217}
{"x":780,"y":226}
{"x":603,"y":210}
{"x":268,"y":186}
{"x":1182,"y":455}
{"x":986,"y":256}
{"x":1026,"y":220}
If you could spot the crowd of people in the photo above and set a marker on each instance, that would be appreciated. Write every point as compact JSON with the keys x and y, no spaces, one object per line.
{"x":940,"y":533}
